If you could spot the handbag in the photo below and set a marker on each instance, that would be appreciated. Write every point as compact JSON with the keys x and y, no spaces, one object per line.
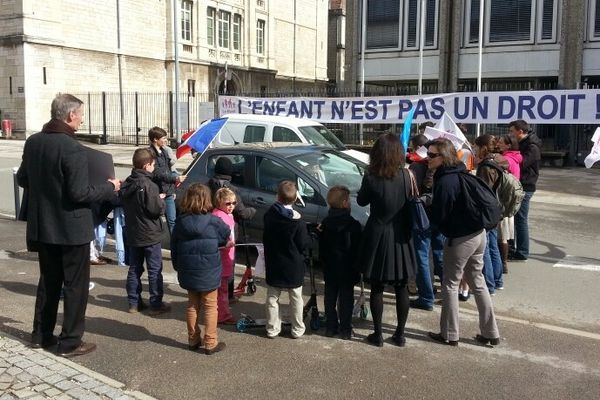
{"x":420,"y":221}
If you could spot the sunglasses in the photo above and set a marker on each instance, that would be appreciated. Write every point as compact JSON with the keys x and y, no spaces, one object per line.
{"x":433,"y":155}
{"x":231,"y":203}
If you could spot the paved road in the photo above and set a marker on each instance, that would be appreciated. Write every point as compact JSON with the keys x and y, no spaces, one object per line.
{"x":549,"y":317}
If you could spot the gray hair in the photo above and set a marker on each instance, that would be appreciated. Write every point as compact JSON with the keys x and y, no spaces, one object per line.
{"x":64,"y":104}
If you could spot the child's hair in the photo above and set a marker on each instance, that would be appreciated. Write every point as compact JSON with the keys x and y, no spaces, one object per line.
{"x":196,"y":200}
{"x":156,"y":133}
{"x":142,"y":157}
{"x":222,"y":195}
{"x":286,"y":192}
{"x":337,"y":195}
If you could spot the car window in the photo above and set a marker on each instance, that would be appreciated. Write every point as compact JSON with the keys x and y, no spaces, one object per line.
{"x":331,"y":169}
{"x":238,"y":162}
{"x":281,"y":134}
{"x":270,"y":173}
{"x":254,"y":133}
{"x":321,"y":136}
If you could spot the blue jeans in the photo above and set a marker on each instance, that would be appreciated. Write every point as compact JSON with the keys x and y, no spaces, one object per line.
{"x":522,"y":227}
{"x":170,"y":212}
{"x":152,"y":255}
{"x":492,"y":262}
{"x":423,"y":241}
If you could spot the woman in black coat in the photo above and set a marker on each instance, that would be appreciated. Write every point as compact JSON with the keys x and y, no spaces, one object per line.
{"x":387,"y":255}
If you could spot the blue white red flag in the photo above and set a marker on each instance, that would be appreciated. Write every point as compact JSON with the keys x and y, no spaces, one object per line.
{"x":202,"y":137}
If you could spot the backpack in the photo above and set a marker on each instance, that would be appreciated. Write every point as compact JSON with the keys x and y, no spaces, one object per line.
{"x":482,"y":208}
{"x":508,"y":189}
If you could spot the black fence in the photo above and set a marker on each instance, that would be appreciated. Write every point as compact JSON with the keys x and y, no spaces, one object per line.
{"x":125,"y":118}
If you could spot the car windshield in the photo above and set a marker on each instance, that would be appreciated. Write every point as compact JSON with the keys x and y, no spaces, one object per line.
{"x":331,"y":169}
{"x":321,"y":136}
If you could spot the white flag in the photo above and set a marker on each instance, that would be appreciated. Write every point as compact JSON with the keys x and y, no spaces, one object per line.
{"x":434,"y":133}
{"x":448,"y":125}
{"x":594,"y":155}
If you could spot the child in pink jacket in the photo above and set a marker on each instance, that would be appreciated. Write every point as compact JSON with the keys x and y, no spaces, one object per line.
{"x":225,"y":204}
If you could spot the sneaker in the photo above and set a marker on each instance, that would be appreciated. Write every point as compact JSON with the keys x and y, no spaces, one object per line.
{"x":163,"y":308}
{"x":500,"y":288}
{"x":464,"y":297}
{"x":219,"y":347}
{"x":516,"y":257}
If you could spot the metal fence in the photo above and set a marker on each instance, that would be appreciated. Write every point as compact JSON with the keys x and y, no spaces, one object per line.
{"x":125,"y":118}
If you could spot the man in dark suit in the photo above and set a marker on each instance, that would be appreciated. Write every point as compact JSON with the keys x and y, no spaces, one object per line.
{"x":54,"y":170}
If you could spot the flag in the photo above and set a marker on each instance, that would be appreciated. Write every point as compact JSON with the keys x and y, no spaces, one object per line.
{"x":434,"y":133}
{"x":406,"y":129}
{"x":202,"y":137}
{"x":594,"y":155}
{"x":446,"y":124}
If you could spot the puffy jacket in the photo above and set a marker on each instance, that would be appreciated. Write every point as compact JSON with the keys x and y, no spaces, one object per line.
{"x":143,"y":209}
{"x":447,"y":207}
{"x":531,"y":150}
{"x":162,"y":174}
{"x":285,"y":239}
{"x":339,"y":241}
{"x":195,"y":250}
{"x":514,"y":159}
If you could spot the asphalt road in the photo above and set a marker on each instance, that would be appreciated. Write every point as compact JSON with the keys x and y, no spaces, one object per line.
{"x":549,"y":319}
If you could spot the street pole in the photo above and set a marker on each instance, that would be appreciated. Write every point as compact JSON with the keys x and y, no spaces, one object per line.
{"x":421,"y":46}
{"x":363,"y":46}
{"x":481,"y":25}
{"x":176,"y":46}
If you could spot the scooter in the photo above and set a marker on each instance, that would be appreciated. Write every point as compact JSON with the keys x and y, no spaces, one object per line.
{"x":247,"y":284}
{"x":361,"y":309}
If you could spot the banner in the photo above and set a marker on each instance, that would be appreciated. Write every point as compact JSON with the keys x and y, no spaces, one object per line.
{"x":579,"y":106}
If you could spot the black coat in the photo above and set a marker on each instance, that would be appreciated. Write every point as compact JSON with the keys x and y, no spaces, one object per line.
{"x":387,"y":253}
{"x":285,"y":239}
{"x":195,"y":250}
{"x":240,"y":212}
{"x":531,"y":150}
{"x":54,"y":171}
{"x":339,"y":239}
{"x":143,"y":208}
{"x":163,"y":175}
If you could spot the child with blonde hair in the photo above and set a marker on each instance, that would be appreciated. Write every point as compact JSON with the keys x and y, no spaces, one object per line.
{"x":225,"y":202}
{"x":195,"y":243}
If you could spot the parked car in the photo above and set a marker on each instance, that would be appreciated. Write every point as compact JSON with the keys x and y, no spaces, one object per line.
{"x":258,"y":168}
{"x":251,"y":128}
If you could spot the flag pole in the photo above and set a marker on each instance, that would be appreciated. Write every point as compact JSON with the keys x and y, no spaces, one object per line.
{"x":421,"y":46}
{"x":363,"y":46}
{"x":481,"y":25}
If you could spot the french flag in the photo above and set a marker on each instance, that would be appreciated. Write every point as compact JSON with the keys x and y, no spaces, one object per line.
{"x":201,"y":138}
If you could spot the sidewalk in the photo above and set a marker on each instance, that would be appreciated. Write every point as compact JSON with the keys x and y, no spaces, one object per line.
{"x":30,"y":374}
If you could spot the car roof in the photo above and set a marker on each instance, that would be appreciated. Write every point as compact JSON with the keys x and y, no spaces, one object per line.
{"x":296,"y":122}
{"x":283,"y":149}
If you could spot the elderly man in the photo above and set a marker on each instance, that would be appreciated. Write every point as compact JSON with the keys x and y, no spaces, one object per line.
{"x":59,"y":224}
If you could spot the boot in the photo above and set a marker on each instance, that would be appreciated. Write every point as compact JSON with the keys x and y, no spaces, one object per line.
{"x":504,"y":256}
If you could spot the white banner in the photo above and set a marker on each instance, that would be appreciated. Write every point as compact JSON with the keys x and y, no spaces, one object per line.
{"x":580,"y":106}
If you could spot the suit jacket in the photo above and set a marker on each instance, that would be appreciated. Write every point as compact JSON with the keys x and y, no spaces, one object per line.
{"x":55,"y":172}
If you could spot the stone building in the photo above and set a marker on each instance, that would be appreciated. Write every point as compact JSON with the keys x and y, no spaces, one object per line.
{"x":124,"y":46}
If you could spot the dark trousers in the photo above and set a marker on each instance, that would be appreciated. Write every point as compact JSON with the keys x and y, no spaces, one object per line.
{"x":152,"y":255}
{"x":67,"y":266}
{"x":339,"y":301}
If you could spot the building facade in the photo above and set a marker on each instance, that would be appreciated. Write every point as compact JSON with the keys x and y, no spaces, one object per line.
{"x":527,"y":44}
{"x":123,"y":46}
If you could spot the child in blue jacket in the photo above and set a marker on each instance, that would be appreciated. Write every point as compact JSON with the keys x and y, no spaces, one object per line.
{"x":195,"y":243}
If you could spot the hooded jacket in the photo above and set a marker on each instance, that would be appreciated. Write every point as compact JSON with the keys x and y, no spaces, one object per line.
{"x":143,"y":209}
{"x":195,"y":251}
{"x":489,"y":174}
{"x":285,"y":239}
{"x":339,"y":241}
{"x":531,"y":151}
{"x":447,"y":207}
{"x":514,"y":159}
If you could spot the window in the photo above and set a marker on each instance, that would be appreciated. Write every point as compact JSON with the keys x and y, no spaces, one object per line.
{"x":510,"y":20}
{"x":254,"y":134}
{"x":238,"y":162}
{"x":210,"y":26}
{"x":191,"y":87}
{"x":473,"y":26}
{"x":412,"y":14}
{"x":547,"y":12}
{"x":270,"y":173}
{"x":260,"y":36}
{"x":237,"y":31}
{"x":281,"y":134}
{"x":413,"y":23}
{"x":383,"y":19}
{"x":186,"y":20}
{"x":224,"y":21}
{"x":597,"y":19}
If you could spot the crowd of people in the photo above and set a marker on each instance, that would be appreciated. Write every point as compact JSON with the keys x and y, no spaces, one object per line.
{"x":469,"y":256}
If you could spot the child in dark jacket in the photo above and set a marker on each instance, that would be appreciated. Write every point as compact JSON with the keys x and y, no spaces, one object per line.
{"x":143,"y":206}
{"x":195,"y":243}
{"x":285,"y":238}
{"x":339,"y":240}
